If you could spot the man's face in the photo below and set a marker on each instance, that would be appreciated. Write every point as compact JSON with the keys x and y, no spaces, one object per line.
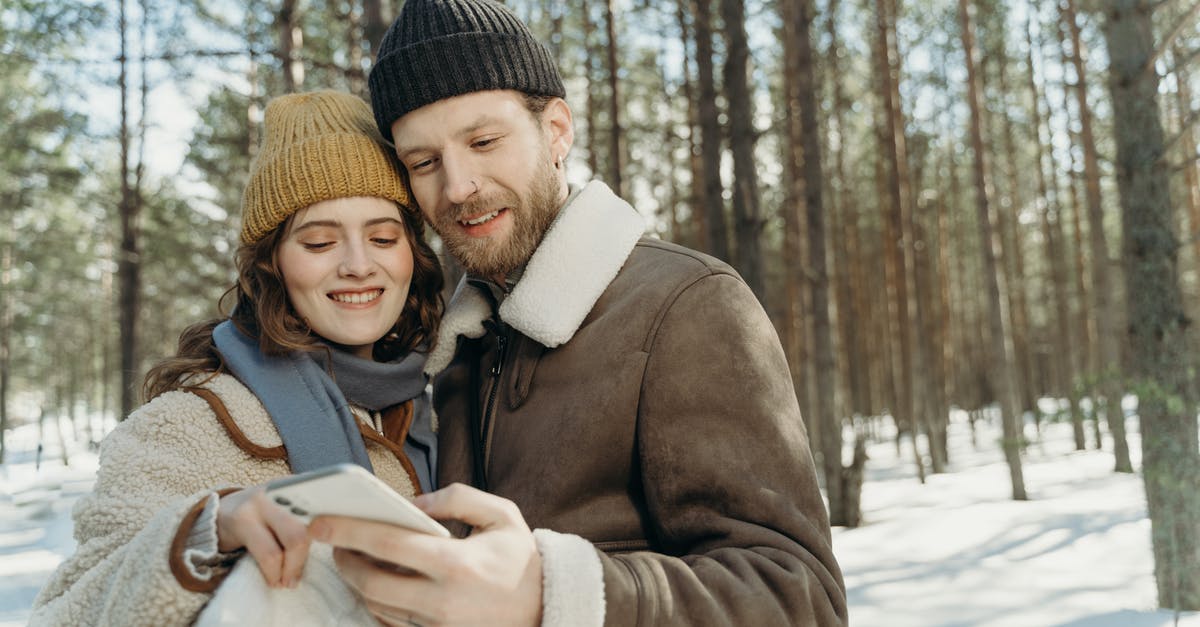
{"x":482,"y":169}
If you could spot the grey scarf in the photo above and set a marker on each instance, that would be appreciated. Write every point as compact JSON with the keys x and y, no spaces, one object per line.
{"x":312,"y":412}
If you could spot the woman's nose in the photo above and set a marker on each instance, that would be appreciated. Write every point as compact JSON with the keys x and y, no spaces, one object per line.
{"x":356,"y":262}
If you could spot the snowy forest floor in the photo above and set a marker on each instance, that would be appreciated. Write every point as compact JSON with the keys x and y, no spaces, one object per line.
{"x":956,"y":551}
{"x":959,"y":551}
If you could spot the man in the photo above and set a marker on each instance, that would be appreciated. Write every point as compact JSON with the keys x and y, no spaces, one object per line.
{"x":626,"y":397}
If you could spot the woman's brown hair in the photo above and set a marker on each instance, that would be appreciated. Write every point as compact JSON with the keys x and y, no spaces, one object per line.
{"x":260,"y":309}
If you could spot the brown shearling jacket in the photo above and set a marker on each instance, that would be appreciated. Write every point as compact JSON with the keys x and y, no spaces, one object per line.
{"x":650,"y":413}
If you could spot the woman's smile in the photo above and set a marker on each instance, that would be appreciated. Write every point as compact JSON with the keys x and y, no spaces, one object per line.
{"x":347,"y":265}
{"x":357,"y":297}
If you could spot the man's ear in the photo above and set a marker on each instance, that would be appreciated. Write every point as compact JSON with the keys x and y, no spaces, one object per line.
{"x":558,"y":126}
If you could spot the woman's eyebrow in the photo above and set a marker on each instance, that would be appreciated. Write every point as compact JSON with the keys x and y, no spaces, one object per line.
{"x":338,"y":224}
{"x":316,"y":223}
{"x":374,"y":221}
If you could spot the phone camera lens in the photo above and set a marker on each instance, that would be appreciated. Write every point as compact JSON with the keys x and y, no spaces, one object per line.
{"x":282,"y":501}
{"x":299,"y":512}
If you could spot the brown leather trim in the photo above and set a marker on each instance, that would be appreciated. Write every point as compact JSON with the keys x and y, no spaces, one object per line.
{"x":396,"y":421}
{"x":175,"y":558}
{"x":235,"y":433}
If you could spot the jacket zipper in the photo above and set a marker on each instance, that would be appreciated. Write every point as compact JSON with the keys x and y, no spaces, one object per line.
{"x":489,"y":412}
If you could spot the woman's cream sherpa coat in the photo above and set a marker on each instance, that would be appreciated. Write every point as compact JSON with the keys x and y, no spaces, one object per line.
{"x":158,"y":470}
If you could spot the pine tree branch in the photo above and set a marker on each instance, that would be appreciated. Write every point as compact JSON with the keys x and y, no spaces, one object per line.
{"x":1183,"y":62}
{"x":1154,"y":6}
{"x":165,"y":56}
{"x":1184,"y":128}
{"x":1176,"y":168}
{"x":188,"y":54}
{"x":1180,"y":24}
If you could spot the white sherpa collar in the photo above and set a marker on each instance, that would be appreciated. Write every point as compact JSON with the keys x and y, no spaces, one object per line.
{"x":580,"y":255}
{"x":464,"y":316}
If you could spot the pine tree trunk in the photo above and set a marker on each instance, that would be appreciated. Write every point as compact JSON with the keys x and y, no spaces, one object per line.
{"x":106,"y":356}
{"x":882,"y":307}
{"x":748,"y":222}
{"x":557,"y":13}
{"x":898,"y":239}
{"x":944,"y":321}
{"x":671,"y":195}
{"x":1107,"y":333}
{"x":1063,"y":363}
{"x":291,"y":42}
{"x":1018,"y":293}
{"x":1085,"y":337}
{"x":972,"y":342}
{"x":805,"y":107}
{"x":615,"y":132}
{"x":1160,"y":359}
{"x":1086,"y":319}
{"x":72,"y":394}
{"x":375,"y":24}
{"x":128,"y":261}
{"x":954,"y":347}
{"x":999,"y":317}
{"x":60,"y":404}
{"x":355,"y":31}
{"x":852,"y":481}
{"x":697,"y":202}
{"x":89,"y":381}
{"x":876,"y":302}
{"x":795,"y":324}
{"x":717,"y":243}
{"x":847,"y":248}
{"x":593,"y":106}
{"x":6,"y":323}
{"x":1191,"y":169}
{"x":920,"y":288}
{"x":926,"y":374}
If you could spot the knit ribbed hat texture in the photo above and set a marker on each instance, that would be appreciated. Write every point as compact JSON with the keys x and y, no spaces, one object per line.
{"x":316,"y":146}
{"x":439,"y":49}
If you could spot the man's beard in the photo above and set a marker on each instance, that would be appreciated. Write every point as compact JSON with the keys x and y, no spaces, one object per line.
{"x":531,"y":217}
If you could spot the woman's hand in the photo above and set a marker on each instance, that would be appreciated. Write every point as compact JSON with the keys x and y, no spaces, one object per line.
{"x":277,"y":540}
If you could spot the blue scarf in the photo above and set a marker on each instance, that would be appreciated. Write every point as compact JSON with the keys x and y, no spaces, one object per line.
{"x":312,"y":412}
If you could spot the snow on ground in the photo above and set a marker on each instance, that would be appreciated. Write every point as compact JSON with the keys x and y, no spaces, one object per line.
{"x":35,"y":513}
{"x":959,"y":551}
{"x":954,"y":552}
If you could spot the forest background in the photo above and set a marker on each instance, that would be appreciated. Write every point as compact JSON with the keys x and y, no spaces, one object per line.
{"x":945,"y":207}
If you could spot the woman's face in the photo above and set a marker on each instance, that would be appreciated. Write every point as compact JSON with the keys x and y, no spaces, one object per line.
{"x":347,"y":265}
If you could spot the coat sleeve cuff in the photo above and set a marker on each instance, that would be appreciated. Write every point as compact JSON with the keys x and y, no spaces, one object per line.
{"x":196,"y":561}
{"x":572,"y":580}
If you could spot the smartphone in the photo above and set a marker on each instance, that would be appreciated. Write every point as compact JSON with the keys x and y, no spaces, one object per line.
{"x":349,"y":490}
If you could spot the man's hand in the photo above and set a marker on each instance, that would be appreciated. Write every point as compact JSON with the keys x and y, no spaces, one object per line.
{"x":492,"y":577}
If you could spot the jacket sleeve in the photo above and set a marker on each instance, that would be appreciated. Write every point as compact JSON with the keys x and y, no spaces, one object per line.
{"x":133,"y":565}
{"x":730,"y":485}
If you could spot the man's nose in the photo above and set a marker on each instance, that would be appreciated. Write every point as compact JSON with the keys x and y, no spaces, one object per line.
{"x":461,"y":182}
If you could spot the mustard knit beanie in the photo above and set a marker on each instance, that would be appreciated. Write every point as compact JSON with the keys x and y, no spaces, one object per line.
{"x":316,"y":146}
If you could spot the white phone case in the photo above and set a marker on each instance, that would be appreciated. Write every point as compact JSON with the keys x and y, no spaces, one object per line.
{"x":349,"y":490}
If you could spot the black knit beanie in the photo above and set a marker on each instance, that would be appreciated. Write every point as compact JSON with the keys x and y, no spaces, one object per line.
{"x":438,"y":49}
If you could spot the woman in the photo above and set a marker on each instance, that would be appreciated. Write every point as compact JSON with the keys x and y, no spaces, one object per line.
{"x":336,"y":303}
